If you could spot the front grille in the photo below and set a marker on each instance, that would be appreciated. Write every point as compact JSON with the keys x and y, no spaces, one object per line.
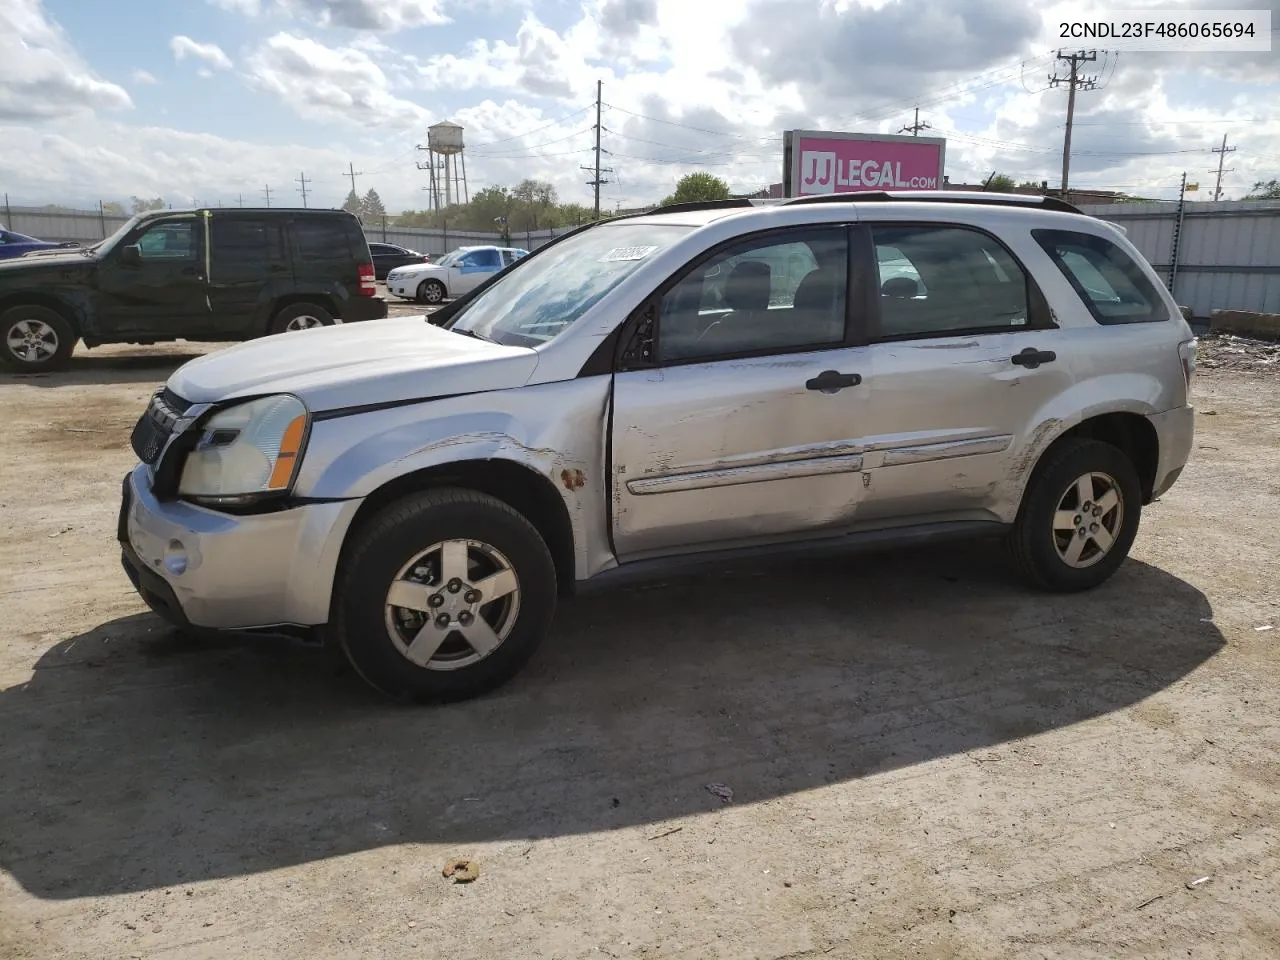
{"x":152,"y":431}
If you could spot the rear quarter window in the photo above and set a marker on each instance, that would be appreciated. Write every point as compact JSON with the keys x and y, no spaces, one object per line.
{"x":325,"y":240}
{"x":1111,"y":284}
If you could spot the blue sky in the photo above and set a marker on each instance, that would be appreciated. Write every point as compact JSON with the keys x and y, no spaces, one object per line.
{"x":208,"y":100}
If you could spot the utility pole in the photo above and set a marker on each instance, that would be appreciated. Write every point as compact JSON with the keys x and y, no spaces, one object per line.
{"x":1222,"y":152}
{"x":352,"y":173}
{"x":302,"y":179}
{"x":1177,"y":231}
{"x":596,"y":181}
{"x":915,"y":128}
{"x":242,"y":199}
{"x":1074,"y":82}
{"x":266,"y":191}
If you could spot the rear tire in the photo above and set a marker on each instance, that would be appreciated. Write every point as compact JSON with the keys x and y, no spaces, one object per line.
{"x":443,"y":640}
{"x":301,"y":316}
{"x":1078,"y":519}
{"x":431,"y":291}
{"x":35,"y":339}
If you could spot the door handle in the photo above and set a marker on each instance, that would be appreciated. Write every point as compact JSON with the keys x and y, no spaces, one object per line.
{"x":1032,"y":358}
{"x":832,"y":381}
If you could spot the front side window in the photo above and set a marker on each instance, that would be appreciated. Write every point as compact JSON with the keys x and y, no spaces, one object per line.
{"x":938,"y":281}
{"x":1111,"y":284}
{"x":547,"y":293}
{"x":168,"y":241}
{"x":783,"y":292}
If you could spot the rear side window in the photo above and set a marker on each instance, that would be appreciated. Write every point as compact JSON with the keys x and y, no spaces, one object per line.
{"x":323,"y":240}
{"x":1111,"y":284}
{"x":242,"y":244}
{"x":939,"y":281}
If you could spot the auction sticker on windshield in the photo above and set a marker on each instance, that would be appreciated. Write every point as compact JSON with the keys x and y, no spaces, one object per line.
{"x":626,"y":253}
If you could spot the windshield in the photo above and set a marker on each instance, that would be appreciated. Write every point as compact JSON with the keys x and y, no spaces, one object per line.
{"x":104,"y":247}
{"x":544,"y":297}
{"x":448,"y":259}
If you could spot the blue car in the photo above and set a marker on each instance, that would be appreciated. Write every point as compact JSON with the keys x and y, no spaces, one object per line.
{"x":16,"y":244}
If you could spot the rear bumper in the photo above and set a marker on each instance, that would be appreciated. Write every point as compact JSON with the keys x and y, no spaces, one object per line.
{"x":364,"y":308}
{"x":1176,"y":430}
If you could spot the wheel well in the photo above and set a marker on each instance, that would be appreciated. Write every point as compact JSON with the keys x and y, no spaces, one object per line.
{"x":1131,"y":433}
{"x":30,"y":299}
{"x":529,"y":493}
{"x":289,"y":300}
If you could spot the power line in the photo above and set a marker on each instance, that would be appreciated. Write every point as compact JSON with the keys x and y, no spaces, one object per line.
{"x":353,"y":173}
{"x":1222,"y":152}
{"x":302,"y":179}
{"x":266,"y":191}
{"x":915,"y":128}
{"x":1074,"y":82}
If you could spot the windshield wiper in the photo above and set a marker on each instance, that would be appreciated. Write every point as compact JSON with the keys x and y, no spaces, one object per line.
{"x":472,"y":334}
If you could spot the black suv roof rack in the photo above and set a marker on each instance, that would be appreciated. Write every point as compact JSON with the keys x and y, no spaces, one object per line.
{"x":942,"y":196}
{"x":692,"y":205}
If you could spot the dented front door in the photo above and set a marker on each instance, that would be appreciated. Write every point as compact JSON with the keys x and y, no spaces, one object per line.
{"x":729,"y":452}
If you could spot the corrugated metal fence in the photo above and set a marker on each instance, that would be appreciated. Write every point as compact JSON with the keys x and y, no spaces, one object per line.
{"x":1228,"y":252}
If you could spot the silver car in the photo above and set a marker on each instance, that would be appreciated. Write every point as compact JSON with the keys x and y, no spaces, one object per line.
{"x":690,"y":383}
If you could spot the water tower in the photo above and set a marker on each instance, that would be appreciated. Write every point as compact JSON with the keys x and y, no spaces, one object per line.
{"x":446,"y":164}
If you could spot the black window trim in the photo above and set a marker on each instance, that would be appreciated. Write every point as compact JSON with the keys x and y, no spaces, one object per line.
{"x":1158,"y":307}
{"x":856,"y":289}
{"x":1039,"y":314}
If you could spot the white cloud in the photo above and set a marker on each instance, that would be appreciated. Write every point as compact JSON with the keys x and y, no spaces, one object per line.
{"x":41,"y":75}
{"x":209,"y":53}
{"x":325,"y":83}
{"x":249,"y":8}
{"x":143,"y":77}
{"x":368,"y":14}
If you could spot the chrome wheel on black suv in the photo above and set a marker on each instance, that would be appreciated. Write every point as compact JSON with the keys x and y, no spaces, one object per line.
{"x":34,"y":338}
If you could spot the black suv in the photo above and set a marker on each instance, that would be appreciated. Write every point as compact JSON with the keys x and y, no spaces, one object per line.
{"x":208,"y":275}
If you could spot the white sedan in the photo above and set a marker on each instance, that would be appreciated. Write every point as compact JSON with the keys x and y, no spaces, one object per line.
{"x":453,"y":275}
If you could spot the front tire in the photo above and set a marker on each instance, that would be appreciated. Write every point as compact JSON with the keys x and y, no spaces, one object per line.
{"x":301,"y":316}
{"x":443,"y":596}
{"x":431,"y":291}
{"x":1078,"y":518}
{"x":35,"y":339}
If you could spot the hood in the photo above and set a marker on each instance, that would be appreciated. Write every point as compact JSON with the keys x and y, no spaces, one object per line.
{"x":418,"y":268}
{"x":45,"y":261}
{"x":351,"y":365}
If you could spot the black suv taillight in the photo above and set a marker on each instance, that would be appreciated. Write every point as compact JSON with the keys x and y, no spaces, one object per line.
{"x":368,"y":282}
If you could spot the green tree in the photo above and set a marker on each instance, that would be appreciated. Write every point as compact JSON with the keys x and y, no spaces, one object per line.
{"x":693,"y":187}
{"x":1264,"y":190}
{"x":1031,"y":185}
{"x":1000,"y":183}
{"x":371,"y":206}
{"x":352,"y":204}
{"x":113,"y":209}
{"x":141,"y":205}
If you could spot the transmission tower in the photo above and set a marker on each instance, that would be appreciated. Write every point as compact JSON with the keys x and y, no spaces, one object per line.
{"x":596,"y":182}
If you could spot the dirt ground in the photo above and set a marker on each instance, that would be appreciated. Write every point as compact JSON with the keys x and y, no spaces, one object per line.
{"x":925,"y":759}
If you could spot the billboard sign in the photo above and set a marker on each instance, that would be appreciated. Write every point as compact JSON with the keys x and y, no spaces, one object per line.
{"x":816,"y":162}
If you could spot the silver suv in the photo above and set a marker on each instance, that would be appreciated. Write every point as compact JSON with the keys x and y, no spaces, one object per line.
{"x":694,"y":382}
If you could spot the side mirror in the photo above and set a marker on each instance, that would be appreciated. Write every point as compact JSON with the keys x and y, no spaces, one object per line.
{"x":131,"y":256}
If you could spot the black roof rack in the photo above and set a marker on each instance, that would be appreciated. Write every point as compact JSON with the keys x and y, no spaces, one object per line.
{"x":688,"y":207}
{"x":942,"y":196}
